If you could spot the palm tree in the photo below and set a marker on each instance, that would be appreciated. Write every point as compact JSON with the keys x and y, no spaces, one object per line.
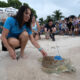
{"x":48,"y":17}
{"x":79,"y":15}
{"x":33,"y":12}
{"x":57,"y":15}
{"x":41,"y":21}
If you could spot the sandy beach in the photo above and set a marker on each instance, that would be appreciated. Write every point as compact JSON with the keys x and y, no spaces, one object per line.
{"x":30,"y":68}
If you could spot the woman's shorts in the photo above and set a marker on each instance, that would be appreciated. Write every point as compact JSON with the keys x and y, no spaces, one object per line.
{"x":5,"y":49}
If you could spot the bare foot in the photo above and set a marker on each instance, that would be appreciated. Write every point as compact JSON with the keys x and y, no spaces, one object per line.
{"x":23,"y":56}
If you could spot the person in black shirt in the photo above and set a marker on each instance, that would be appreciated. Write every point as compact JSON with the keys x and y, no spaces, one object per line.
{"x":70,"y":26}
{"x":50,"y":30}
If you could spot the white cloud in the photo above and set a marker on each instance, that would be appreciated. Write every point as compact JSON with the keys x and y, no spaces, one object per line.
{"x":46,"y":7}
{"x":4,"y":0}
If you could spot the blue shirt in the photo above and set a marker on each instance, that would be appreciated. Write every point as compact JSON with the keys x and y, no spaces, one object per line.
{"x":14,"y":31}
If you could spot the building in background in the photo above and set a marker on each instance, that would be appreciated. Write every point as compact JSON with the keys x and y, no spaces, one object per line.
{"x":6,"y":12}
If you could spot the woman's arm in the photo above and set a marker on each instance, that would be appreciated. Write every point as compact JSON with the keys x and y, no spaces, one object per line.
{"x":6,"y":44}
{"x":4,"y":40}
{"x":37,"y":45}
{"x":38,"y":26}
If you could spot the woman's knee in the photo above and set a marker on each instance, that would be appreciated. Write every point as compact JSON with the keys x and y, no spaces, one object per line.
{"x":24,"y":36}
{"x":13,"y":42}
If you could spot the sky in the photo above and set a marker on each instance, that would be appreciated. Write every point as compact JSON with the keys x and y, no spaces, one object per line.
{"x":45,"y":8}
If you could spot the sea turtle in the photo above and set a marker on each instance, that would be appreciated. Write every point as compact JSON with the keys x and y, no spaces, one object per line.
{"x":50,"y":65}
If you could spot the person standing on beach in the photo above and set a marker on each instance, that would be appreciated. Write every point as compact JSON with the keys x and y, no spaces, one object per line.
{"x":17,"y":31}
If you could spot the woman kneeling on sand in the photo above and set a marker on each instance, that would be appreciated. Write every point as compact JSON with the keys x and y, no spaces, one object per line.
{"x":16,"y":31}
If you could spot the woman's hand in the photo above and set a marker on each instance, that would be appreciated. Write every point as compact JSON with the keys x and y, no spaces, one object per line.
{"x":12,"y":53}
{"x":43,"y":53}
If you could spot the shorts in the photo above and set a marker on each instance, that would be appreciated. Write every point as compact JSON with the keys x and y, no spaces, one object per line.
{"x":5,"y":49}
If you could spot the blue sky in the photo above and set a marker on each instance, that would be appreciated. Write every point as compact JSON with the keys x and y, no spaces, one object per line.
{"x":47,"y":7}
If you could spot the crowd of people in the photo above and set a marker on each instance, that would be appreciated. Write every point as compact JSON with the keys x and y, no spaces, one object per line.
{"x":70,"y":26}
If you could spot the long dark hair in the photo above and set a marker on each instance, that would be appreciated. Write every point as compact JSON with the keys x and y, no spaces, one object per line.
{"x":19,"y":17}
